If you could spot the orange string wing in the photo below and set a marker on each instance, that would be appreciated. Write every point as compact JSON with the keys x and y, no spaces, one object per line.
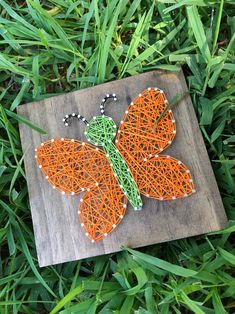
{"x":140,"y":143}
{"x":102,"y":209}
{"x":136,"y":133}
{"x":163,"y":177}
{"x":73,"y":167}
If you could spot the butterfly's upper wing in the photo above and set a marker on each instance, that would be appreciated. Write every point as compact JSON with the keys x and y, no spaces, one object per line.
{"x":140,"y":141}
{"x":73,"y":167}
{"x":137,"y":134}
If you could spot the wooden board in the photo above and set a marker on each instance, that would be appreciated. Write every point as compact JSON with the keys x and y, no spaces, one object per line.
{"x":59,"y":236}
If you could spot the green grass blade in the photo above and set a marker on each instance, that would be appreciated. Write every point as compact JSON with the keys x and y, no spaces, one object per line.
{"x":198,"y":31}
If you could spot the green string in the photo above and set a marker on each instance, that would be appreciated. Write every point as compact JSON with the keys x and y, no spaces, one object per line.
{"x":101,"y":131}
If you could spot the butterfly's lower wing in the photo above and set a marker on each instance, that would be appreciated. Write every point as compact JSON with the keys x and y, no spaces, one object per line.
{"x":102,"y":209}
{"x":72,"y":167}
{"x":163,"y":177}
{"x":140,"y":140}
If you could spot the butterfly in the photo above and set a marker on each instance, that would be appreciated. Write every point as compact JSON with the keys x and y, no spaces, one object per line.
{"x":112,"y":172}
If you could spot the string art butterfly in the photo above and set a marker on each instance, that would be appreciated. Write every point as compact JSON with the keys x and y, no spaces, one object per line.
{"x":115,"y":174}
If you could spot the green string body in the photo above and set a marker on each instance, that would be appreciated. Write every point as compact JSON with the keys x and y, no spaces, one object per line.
{"x":101,"y":131}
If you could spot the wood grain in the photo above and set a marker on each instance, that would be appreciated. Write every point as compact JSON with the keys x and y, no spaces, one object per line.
{"x":58,"y":234}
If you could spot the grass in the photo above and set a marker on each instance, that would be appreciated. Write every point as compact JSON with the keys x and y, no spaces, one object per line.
{"x":52,"y":47}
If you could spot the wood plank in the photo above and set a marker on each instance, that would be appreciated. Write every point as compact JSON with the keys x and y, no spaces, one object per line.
{"x":58,"y":234}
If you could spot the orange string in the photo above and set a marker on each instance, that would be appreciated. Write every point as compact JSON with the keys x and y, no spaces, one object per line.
{"x":158,"y":176}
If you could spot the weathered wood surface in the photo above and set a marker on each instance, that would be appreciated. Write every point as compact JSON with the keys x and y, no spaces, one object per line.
{"x":59,"y":236}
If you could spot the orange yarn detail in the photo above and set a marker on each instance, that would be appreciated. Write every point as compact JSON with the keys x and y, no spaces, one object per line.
{"x":136,"y":134}
{"x":163,"y":177}
{"x":73,"y":167}
{"x":102,"y":209}
{"x":160,"y":177}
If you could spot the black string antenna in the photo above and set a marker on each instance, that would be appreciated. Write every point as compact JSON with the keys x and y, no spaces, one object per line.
{"x":106,"y":97}
{"x":81,"y":118}
{"x":74,"y":115}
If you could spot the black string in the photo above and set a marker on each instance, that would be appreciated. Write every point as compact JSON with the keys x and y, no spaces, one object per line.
{"x":106,"y":97}
{"x":78,"y":116}
{"x":74,"y":115}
